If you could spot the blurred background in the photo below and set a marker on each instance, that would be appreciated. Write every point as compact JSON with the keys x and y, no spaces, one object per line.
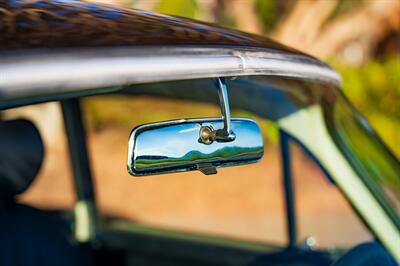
{"x":359,"y":38}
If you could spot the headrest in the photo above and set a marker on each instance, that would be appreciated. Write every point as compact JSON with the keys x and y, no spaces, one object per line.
{"x":21,"y":155}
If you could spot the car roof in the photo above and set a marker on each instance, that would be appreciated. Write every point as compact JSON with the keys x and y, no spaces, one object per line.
{"x":65,"y":24}
{"x":58,"y":47}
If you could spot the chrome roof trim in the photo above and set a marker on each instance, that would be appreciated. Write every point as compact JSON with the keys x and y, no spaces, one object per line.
{"x":30,"y":73}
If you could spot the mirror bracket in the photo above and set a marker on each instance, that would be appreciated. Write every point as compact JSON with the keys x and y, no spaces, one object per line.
{"x":207,"y":169}
{"x":207,"y":134}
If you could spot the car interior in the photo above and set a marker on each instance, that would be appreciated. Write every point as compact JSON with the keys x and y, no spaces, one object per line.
{"x":30,"y":236}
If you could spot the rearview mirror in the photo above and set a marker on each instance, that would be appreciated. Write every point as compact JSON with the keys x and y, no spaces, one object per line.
{"x":185,"y":145}
{"x":195,"y":144}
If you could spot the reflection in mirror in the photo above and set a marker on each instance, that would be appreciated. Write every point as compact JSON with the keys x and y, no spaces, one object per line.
{"x":185,"y":145}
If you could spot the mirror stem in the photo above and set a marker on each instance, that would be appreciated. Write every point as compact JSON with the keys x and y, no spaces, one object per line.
{"x":226,"y":134}
{"x":224,"y":103}
{"x":208,"y":134}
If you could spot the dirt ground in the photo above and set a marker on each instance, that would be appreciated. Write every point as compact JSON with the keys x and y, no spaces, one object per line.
{"x":244,"y":202}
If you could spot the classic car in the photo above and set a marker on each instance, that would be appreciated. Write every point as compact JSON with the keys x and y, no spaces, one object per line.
{"x":63,"y":51}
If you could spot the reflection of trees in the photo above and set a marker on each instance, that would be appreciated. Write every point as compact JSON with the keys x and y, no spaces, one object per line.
{"x":193,"y":157}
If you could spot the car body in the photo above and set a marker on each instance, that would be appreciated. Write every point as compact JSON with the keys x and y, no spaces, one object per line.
{"x":64,"y":50}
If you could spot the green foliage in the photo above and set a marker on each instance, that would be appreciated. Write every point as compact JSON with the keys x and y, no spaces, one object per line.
{"x":344,"y":6}
{"x":193,"y":157}
{"x":182,"y":8}
{"x":267,"y":12}
{"x":374,"y":89}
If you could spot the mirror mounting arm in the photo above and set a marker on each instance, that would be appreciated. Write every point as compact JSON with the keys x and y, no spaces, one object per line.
{"x":207,"y":134}
{"x":224,"y":103}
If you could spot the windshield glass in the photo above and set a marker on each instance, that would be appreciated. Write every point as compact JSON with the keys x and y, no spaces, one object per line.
{"x":367,"y":154}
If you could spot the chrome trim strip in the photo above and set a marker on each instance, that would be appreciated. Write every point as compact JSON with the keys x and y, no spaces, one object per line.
{"x":29,"y":73}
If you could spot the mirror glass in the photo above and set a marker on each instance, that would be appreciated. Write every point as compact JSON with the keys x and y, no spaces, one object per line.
{"x":192,"y":144}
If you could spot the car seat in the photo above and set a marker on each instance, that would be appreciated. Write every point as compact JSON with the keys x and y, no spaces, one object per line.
{"x":29,"y":236}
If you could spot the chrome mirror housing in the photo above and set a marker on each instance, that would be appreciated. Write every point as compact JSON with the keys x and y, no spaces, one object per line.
{"x":185,"y":145}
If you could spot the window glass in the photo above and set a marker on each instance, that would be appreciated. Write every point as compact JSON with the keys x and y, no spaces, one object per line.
{"x":322,"y":211}
{"x":367,"y":154}
{"x":53,"y":187}
{"x":241,"y":202}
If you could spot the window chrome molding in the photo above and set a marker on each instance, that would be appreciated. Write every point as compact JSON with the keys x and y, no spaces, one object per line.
{"x":30,"y":73}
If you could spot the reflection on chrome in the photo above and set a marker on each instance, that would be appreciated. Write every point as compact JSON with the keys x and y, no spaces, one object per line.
{"x":176,"y":146}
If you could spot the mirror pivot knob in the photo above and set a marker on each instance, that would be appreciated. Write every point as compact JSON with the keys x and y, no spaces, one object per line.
{"x":206,"y":135}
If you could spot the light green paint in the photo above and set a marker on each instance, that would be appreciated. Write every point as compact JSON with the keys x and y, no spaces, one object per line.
{"x":309,"y":127}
